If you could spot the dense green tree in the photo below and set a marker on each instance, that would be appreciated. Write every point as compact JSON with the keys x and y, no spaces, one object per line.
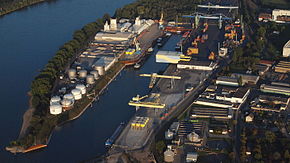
{"x":160,"y":146}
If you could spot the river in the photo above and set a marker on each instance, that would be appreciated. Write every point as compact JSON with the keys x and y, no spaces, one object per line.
{"x":29,"y":38}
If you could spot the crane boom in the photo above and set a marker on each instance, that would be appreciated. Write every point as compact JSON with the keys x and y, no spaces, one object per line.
{"x":217,"y":6}
{"x":161,"y":76}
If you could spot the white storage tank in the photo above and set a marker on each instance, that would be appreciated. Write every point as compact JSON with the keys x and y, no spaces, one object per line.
{"x":69,"y":96}
{"x":100,"y":69}
{"x":55,"y":109}
{"x":72,"y":73}
{"x":193,"y":137}
{"x":168,"y":156}
{"x":83,"y":73}
{"x":95,"y":74}
{"x":66,"y":104}
{"x":82,"y":88}
{"x":90,"y":79}
{"x":54,"y":100}
{"x":77,"y":94}
{"x":168,"y":135}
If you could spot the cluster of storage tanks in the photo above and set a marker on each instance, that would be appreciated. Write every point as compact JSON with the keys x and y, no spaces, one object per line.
{"x":58,"y":104}
{"x":83,"y":74}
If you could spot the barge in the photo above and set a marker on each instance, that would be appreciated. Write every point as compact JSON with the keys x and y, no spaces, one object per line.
{"x":117,"y":132}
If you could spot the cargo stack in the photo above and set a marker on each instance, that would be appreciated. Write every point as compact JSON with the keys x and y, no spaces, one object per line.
{"x":139,"y":123}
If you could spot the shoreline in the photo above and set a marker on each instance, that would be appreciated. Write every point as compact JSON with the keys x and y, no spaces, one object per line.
{"x":23,"y":7}
{"x":55,"y":121}
{"x":28,"y":114}
{"x":88,"y":105}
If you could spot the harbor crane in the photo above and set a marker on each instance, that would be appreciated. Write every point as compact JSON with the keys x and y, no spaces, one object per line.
{"x":137,"y":44}
{"x":197,"y":16}
{"x":136,"y":101}
{"x":210,"y":5}
{"x":154,"y":76}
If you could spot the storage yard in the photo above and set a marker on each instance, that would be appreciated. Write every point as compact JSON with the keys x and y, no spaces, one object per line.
{"x":171,"y":90}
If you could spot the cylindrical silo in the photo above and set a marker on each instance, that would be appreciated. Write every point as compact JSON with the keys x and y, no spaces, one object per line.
{"x":55,"y":100}
{"x":83,"y":73}
{"x":55,"y":109}
{"x":168,"y":156}
{"x":77,"y":94}
{"x":100,"y":69}
{"x":95,"y":73}
{"x":82,"y":88}
{"x":66,"y":104}
{"x":90,"y":79}
{"x":168,"y":135}
{"x":69,"y":96}
{"x":72,"y":73}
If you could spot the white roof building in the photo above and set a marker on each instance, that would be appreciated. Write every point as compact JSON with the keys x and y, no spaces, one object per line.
{"x":278,"y":12}
{"x":286,"y":49}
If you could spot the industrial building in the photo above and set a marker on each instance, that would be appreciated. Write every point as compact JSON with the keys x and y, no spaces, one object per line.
{"x":275,"y":89}
{"x":172,"y":57}
{"x":262,"y":69}
{"x":197,"y":65}
{"x":105,"y":62}
{"x":229,"y":81}
{"x":278,"y":14}
{"x":141,"y":25}
{"x":282,"y":67}
{"x":117,"y":36}
{"x":270,"y":103}
{"x":286,"y":49}
{"x":265,"y":17}
{"x":192,"y":133}
{"x":191,"y":157}
{"x":213,"y":102}
{"x":246,"y":79}
{"x":211,"y":112}
{"x":223,"y":97}
{"x":218,"y":128}
{"x":124,"y":30}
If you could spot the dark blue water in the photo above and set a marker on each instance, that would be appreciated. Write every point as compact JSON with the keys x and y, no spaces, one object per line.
{"x":28,"y":39}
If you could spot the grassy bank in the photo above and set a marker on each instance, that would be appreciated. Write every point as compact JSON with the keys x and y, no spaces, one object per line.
{"x":14,"y":5}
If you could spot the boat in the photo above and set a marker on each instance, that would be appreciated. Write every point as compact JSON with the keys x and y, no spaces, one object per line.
{"x":168,"y":34}
{"x":132,"y":59}
{"x":150,"y":50}
{"x":137,"y":66}
{"x":113,"y":138}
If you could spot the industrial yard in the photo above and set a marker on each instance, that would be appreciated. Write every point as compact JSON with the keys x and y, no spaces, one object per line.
{"x":107,"y":49}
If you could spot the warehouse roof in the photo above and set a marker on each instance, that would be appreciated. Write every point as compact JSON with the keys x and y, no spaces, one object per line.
{"x":287,"y":45}
{"x":227,"y":79}
{"x":240,"y":93}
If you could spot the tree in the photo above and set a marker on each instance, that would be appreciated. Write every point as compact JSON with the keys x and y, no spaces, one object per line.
{"x":261,"y":32}
{"x":160,"y":146}
{"x":276,"y":156}
{"x":258,"y":156}
{"x":270,"y":136}
{"x":286,"y":154}
{"x":240,"y":81}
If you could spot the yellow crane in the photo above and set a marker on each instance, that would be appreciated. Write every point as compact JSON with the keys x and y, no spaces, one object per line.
{"x":154,"y":76}
{"x":136,"y":101}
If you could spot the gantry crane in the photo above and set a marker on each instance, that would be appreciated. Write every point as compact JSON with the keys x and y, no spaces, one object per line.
{"x":154,"y":76}
{"x":197,"y":16}
{"x":136,"y":101}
